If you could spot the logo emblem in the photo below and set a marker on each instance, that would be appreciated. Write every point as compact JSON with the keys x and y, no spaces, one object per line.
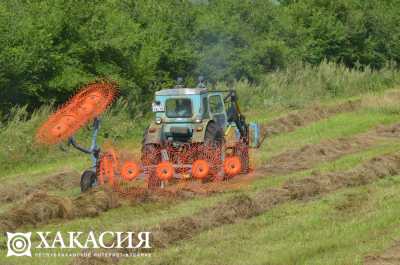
{"x":19,"y":244}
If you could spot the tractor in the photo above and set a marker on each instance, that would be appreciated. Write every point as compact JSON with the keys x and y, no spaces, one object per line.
{"x":197,"y":133}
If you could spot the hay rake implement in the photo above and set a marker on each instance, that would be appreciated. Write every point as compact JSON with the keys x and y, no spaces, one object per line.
{"x":197,"y":134}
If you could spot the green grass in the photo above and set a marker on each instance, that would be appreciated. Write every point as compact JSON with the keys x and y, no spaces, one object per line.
{"x":124,"y":218}
{"x":341,"y":125}
{"x":338,"y":229}
{"x":298,"y":85}
{"x":150,"y":214}
{"x":294,"y":233}
{"x":343,"y":163}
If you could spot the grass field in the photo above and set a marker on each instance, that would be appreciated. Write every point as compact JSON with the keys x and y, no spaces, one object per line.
{"x":341,"y":226}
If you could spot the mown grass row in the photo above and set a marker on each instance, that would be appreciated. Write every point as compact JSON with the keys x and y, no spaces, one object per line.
{"x":340,"y":228}
{"x":147,"y":215}
{"x":156,"y":213}
{"x":125,"y":129}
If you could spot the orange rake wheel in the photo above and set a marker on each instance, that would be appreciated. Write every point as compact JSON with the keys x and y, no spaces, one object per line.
{"x":130,"y":170}
{"x":165,"y":171}
{"x":93,"y":100}
{"x":232,"y":166}
{"x":58,"y":127}
{"x":106,"y":171}
{"x":107,"y":167}
{"x":88,"y":104}
{"x":200,"y":169}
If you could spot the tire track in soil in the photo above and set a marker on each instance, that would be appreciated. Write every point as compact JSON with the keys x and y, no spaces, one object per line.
{"x":242,"y":207}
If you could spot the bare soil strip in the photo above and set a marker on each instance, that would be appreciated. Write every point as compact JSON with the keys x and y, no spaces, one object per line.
{"x":243,"y":207}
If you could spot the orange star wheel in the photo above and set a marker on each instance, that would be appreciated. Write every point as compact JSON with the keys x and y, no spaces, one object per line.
{"x":86,"y":105}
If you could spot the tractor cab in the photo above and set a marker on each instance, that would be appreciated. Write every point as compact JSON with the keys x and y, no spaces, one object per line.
{"x":197,"y":116}
{"x":182,"y":114}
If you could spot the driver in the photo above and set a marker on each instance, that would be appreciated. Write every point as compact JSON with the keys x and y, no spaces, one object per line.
{"x":183,"y":108}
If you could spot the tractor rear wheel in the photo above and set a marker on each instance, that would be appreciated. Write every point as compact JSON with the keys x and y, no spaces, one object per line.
{"x":88,"y":179}
{"x":213,"y":149}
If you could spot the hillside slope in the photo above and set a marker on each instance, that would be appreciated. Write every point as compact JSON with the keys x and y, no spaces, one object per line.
{"x":323,"y":191}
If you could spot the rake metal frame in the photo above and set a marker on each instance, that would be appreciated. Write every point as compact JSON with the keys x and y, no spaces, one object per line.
{"x":94,"y":149}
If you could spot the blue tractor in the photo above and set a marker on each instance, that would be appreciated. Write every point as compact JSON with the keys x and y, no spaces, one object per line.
{"x":197,"y":133}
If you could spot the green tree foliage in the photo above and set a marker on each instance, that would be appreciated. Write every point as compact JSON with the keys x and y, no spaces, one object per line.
{"x":239,"y":38}
{"x":48,"y":48}
{"x":354,"y":32}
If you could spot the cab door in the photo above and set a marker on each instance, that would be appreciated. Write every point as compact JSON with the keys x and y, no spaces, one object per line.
{"x":217,"y":109}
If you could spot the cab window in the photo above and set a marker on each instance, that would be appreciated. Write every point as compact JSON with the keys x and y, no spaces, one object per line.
{"x":216,"y":105}
{"x":178,"y":108}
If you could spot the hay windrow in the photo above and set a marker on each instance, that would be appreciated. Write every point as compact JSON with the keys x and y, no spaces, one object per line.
{"x":60,"y":181}
{"x":41,"y":208}
{"x":310,"y":155}
{"x":245,"y":207}
{"x":241,"y":207}
{"x":298,"y":119}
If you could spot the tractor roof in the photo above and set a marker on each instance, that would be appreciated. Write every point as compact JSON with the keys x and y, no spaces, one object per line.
{"x":181,"y":91}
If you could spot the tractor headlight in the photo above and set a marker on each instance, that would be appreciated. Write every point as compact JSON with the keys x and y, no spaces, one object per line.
{"x":158,"y":120}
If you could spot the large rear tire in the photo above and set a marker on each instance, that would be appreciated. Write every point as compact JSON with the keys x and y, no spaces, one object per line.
{"x":213,"y":146}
